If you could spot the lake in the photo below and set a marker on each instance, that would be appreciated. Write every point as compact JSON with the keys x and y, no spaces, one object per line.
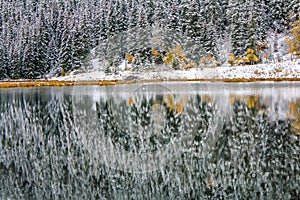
{"x":151,"y":141}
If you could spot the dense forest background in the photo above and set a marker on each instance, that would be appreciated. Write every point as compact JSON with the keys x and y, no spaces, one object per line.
{"x":38,"y":37}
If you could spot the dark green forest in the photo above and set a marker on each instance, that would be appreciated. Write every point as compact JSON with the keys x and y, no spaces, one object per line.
{"x":38,"y":37}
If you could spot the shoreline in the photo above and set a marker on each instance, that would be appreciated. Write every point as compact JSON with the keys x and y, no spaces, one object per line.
{"x":272,"y":72}
{"x":61,"y":83}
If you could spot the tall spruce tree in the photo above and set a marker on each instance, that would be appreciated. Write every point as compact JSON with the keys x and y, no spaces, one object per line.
{"x":238,"y":30}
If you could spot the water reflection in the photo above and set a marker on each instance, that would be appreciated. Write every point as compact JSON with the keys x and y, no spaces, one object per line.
{"x":86,"y":143}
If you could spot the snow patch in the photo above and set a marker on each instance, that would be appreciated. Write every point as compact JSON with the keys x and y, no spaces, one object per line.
{"x":286,"y":69}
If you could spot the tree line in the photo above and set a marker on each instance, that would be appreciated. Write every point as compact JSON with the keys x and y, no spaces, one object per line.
{"x":38,"y":37}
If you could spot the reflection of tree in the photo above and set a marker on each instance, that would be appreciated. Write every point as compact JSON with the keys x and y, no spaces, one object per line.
{"x":130,"y":124}
{"x":44,"y":154}
{"x":256,"y":152}
{"x":41,"y":142}
{"x":294,"y":113}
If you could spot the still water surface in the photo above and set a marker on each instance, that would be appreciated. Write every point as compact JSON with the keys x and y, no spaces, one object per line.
{"x":151,"y":141}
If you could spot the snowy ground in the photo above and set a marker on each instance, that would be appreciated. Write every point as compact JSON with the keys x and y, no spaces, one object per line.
{"x":286,"y":69}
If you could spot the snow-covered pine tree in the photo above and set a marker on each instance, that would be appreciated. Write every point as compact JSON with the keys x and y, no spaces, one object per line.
{"x":253,"y":26}
{"x":81,"y":44}
{"x":66,"y":59}
{"x":123,"y":22}
{"x":195,"y":31}
{"x":140,"y":41}
{"x":238,"y":30}
{"x":172,"y":31}
{"x":150,"y":11}
{"x":215,"y":15}
{"x":279,"y":15}
{"x":114,"y":37}
{"x":4,"y":61}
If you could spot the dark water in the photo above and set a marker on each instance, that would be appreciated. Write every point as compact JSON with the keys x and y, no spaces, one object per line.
{"x":151,"y":141}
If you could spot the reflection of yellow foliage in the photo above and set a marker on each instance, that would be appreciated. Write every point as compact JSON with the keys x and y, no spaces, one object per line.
{"x":129,"y":58}
{"x":206,"y":98}
{"x":169,"y":100}
{"x":233,"y":98}
{"x":130,"y":101}
{"x":176,"y":105}
{"x":251,"y":101}
{"x":180,"y":104}
{"x":294,"y":112}
{"x":178,"y":108}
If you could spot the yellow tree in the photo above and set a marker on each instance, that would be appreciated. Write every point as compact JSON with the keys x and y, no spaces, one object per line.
{"x":294,"y":43}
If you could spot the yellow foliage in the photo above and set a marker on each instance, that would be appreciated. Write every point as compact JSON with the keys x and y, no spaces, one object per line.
{"x":168,"y":58}
{"x":252,"y":57}
{"x":249,"y":51}
{"x":261,"y":46}
{"x":129,"y":58}
{"x":294,"y":43}
{"x":154,"y":52}
{"x":231,"y":59}
{"x":175,"y":56}
{"x":202,"y":59}
{"x":179,"y":53}
{"x":207,"y":59}
{"x":265,"y":55}
{"x":245,"y":59}
{"x":187,"y":65}
{"x":68,"y":73}
{"x":63,"y":72}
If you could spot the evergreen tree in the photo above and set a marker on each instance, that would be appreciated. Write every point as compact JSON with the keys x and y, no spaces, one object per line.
{"x":279,"y":15}
{"x":4,"y":63}
{"x":195,"y":27}
{"x":215,"y":14}
{"x":238,"y":30}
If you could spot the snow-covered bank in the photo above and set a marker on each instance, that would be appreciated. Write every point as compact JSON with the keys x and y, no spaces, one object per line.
{"x":287,"y":69}
{"x":283,"y":70}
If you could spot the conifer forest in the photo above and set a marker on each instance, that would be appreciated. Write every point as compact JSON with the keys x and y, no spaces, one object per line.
{"x":38,"y":37}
